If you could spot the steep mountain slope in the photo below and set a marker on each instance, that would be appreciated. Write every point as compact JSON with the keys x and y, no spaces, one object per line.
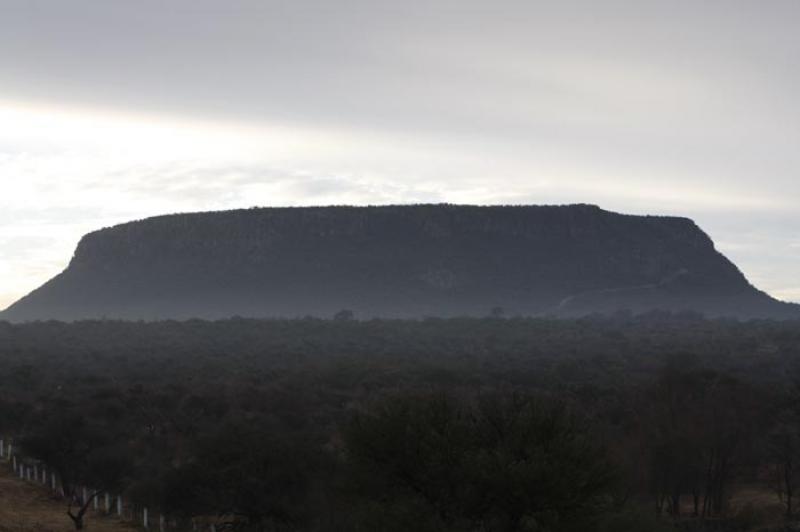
{"x":396,"y":261}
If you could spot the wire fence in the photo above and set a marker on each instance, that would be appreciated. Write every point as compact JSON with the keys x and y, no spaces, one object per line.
{"x":102,"y":503}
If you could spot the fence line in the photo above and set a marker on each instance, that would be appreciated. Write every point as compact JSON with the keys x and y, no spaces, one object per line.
{"x":29,"y":469}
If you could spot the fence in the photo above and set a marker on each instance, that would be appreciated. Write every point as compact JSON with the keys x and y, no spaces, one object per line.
{"x":34,"y":471}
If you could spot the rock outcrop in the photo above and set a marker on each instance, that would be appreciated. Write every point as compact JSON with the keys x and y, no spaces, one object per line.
{"x":396,"y":261}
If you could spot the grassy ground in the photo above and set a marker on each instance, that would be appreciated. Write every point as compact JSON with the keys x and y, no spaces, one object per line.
{"x":25,"y":507}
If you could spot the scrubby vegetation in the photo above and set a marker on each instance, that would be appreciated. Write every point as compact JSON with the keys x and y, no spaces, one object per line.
{"x":613,"y":424}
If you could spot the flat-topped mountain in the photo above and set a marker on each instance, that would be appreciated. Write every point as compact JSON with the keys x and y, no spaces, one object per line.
{"x":396,"y":261}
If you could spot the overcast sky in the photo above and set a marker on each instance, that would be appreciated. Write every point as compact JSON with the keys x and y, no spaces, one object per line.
{"x":117,"y":110}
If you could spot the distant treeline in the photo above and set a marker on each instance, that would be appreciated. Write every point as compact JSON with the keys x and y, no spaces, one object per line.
{"x":622,"y":423}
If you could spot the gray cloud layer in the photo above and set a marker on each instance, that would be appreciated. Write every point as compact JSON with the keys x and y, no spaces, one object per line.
{"x":683,"y":107}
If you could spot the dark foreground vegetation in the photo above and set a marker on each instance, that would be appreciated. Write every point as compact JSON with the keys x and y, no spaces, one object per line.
{"x":636,"y":424}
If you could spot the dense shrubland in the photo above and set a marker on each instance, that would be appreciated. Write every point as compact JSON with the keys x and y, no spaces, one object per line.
{"x":612,"y":424}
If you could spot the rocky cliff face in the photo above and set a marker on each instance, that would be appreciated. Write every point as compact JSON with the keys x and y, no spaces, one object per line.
{"x":396,"y":261}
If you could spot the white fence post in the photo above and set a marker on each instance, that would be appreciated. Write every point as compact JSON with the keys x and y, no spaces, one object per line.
{"x":108,"y":502}
{"x":119,"y":505}
{"x":95,"y":502}
{"x":144,"y":517}
{"x":53,"y":480}
{"x":161,"y":523}
{"x":2,"y":448}
{"x":14,"y":460}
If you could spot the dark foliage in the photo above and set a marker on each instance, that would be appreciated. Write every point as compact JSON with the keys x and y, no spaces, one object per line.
{"x":441,"y":425}
{"x":508,"y":462}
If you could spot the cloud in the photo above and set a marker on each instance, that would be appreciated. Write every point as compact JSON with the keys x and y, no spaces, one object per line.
{"x":111,"y":111}
{"x":788,"y":294}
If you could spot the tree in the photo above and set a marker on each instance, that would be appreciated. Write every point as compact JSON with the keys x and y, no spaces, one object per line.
{"x":783,"y":447}
{"x":82,"y":454}
{"x":502,"y":462}
{"x":344,"y":315}
{"x":784,"y":450}
{"x":250,"y":478}
{"x":674,"y":438}
{"x":697,"y":425}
